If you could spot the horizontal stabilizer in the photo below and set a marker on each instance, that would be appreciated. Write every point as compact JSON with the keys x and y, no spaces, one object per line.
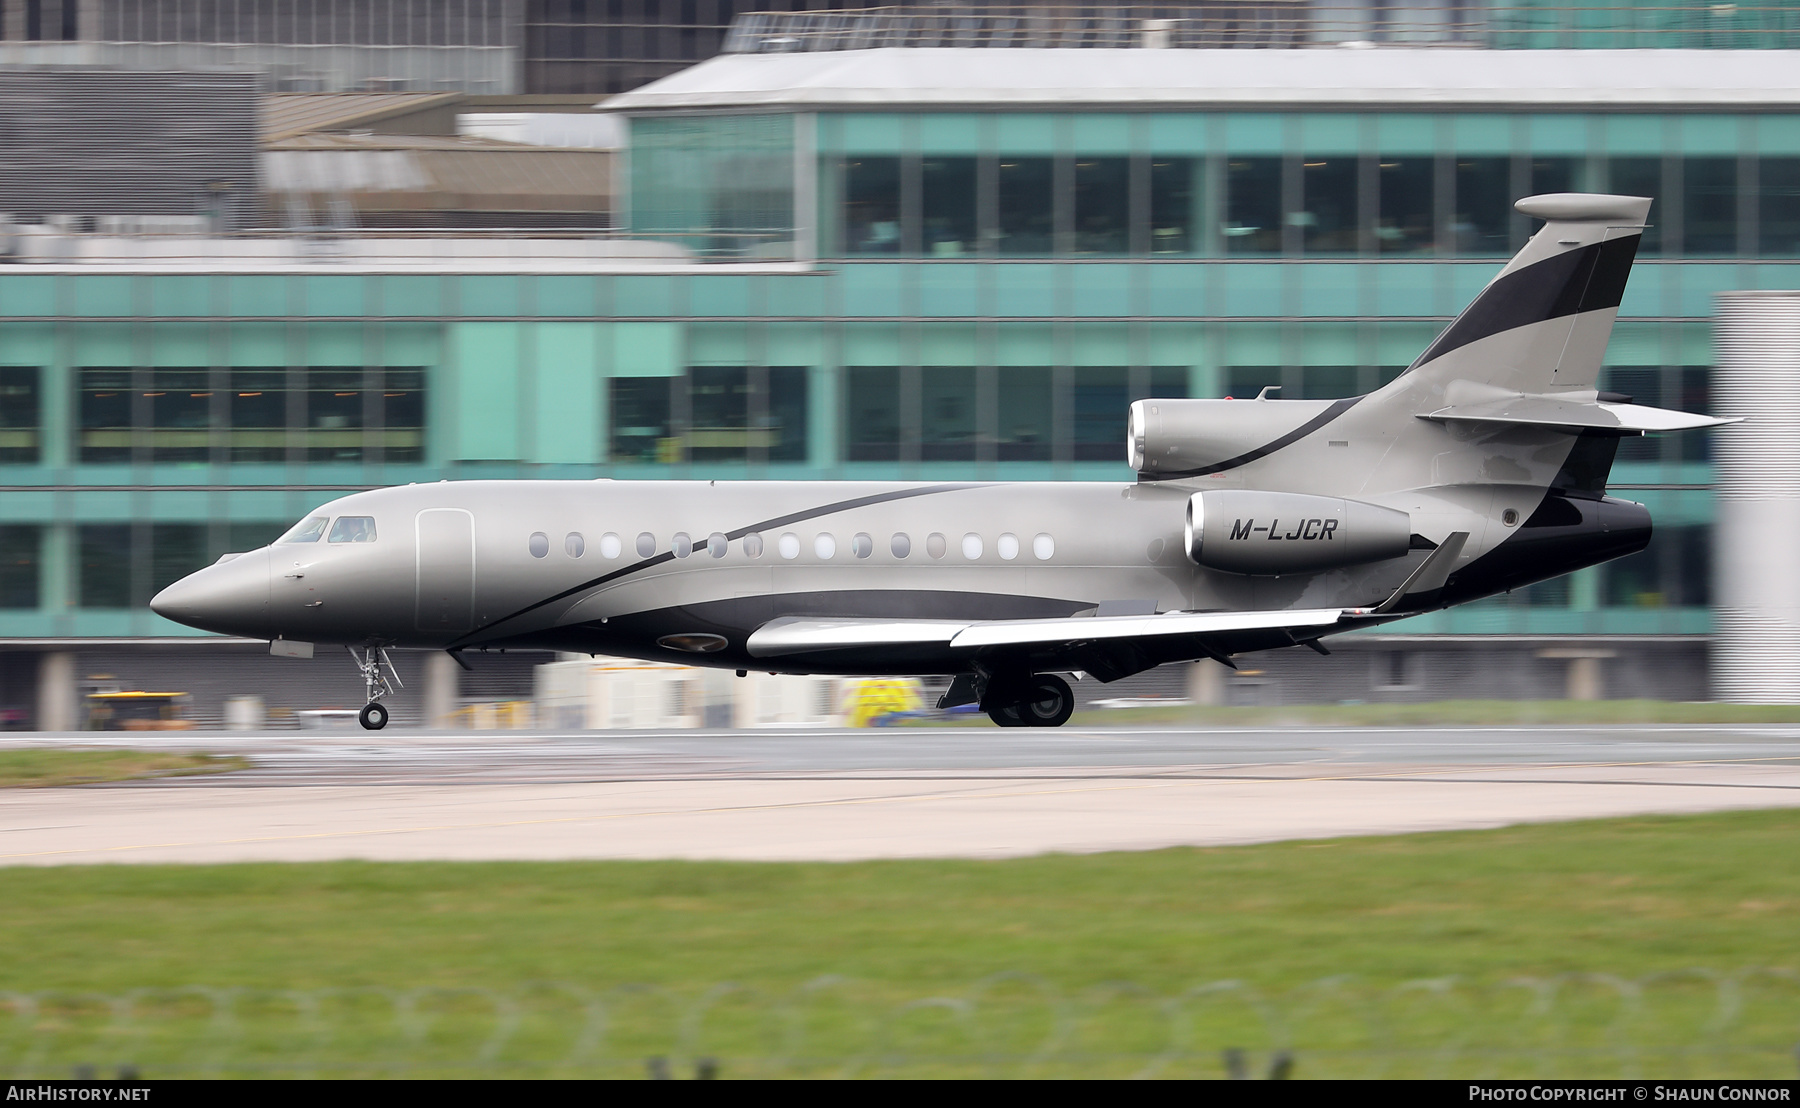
{"x":1556,"y":411}
{"x":791,"y":635}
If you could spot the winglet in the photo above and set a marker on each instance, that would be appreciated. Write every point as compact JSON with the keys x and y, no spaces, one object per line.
{"x":1428,"y":575}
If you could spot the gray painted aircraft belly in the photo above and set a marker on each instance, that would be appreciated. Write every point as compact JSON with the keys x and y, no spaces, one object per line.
{"x":1253,"y":524}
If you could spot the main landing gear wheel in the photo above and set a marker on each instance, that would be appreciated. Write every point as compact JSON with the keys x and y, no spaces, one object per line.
{"x":373,"y":717}
{"x":1049,"y":702}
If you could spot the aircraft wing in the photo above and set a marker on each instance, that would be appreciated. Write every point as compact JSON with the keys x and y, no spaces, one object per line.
{"x":1550,"y":411}
{"x":793,"y":635}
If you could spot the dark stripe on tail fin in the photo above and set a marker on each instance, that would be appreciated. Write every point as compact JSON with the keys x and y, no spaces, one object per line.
{"x":1584,"y":280}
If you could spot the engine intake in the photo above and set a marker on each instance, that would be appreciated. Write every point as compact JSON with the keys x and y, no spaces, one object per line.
{"x":1266,"y":534}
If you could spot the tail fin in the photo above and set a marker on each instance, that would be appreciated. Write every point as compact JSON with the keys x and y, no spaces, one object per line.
{"x":1542,"y":325}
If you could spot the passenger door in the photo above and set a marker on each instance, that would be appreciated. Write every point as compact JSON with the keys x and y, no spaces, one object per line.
{"x":446,"y":561}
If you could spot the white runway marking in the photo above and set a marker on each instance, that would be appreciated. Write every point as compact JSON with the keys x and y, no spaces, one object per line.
{"x":814,"y":795}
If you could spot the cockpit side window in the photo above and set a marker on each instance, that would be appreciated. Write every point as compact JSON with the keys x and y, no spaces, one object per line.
{"x":353,"y":529}
{"x":310,"y":529}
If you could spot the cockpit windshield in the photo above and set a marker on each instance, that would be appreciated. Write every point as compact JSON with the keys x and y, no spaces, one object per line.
{"x":310,"y":529}
{"x":353,"y":529}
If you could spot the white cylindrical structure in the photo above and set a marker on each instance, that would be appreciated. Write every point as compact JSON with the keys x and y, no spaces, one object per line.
{"x":1756,"y":537}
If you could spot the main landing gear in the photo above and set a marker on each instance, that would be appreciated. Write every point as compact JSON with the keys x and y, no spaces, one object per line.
{"x":1042,"y":700}
{"x":372,"y":660}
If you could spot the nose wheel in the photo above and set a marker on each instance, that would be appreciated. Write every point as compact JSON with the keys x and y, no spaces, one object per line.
{"x":381,"y":679}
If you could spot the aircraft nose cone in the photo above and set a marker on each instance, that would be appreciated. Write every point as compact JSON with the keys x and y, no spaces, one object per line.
{"x":229,"y":597}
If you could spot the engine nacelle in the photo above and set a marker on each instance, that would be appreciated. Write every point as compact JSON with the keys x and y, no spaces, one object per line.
{"x":1267,"y":534}
{"x":1182,"y":438}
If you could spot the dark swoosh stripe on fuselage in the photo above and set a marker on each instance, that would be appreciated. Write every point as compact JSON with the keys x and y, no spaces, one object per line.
{"x":1264,"y":450}
{"x":1584,"y":280}
{"x":762,"y":525}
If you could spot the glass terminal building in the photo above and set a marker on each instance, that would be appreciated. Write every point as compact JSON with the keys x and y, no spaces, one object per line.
{"x":910,"y":261}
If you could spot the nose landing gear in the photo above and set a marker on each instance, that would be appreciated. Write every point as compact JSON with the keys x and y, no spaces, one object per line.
{"x":371,"y":660}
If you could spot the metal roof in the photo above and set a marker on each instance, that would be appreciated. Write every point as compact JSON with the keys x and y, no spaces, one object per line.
{"x":1107,"y":78}
{"x":289,"y":114}
{"x":435,"y":173}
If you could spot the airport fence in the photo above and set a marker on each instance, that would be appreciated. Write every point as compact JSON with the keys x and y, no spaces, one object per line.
{"x":1692,"y":1024}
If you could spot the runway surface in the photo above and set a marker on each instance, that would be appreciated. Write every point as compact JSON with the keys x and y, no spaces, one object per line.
{"x":841,"y":795}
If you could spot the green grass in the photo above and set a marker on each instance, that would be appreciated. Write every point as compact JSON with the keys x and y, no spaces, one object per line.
{"x":1644,"y":899}
{"x":1438,"y":712}
{"x":40,"y":768}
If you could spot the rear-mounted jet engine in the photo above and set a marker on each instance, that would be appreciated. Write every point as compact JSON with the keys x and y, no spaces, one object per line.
{"x":1271,"y":533}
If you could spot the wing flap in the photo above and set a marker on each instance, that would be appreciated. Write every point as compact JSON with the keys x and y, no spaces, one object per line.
{"x":792,"y":635}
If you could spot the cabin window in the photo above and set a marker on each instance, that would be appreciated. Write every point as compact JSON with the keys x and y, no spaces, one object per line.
{"x":610,"y":546}
{"x":1043,"y":547}
{"x":901,"y":544}
{"x":717,"y":544}
{"x":789,"y":546}
{"x":646,"y":544}
{"x":1007,"y":547}
{"x":753,"y":545}
{"x":935,"y":545}
{"x":310,"y":529}
{"x":683,"y":545}
{"x":825,"y":546}
{"x":862,"y":545}
{"x":539,"y":545}
{"x":971,"y":546}
{"x":574,"y":545}
{"x":353,"y":529}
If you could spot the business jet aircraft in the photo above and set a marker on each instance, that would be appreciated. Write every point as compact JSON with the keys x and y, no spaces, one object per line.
{"x":1253,"y":524}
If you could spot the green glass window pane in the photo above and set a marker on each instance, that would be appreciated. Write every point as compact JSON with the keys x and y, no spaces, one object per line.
{"x":334,"y":414}
{"x":949,"y":134}
{"x":103,"y":295}
{"x":565,"y":295}
{"x":20,"y":410}
{"x":1552,"y":175}
{"x":253,"y":294}
{"x":719,"y":400}
{"x":947,"y":414}
{"x":1100,"y":404}
{"x":488,"y":294}
{"x":1709,"y":206}
{"x":415,"y":295}
{"x":1025,"y":427}
{"x":402,"y":410}
{"x":788,"y":408}
{"x":1778,"y":209}
{"x":176,"y":295}
{"x":642,"y":432}
{"x":1102,"y":205}
{"x":718,"y":294}
{"x":27,"y":295}
{"x":258,"y":412}
{"x":1252,"y":206}
{"x":872,"y":205}
{"x":947,"y":193}
{"x":105,"y":403}
{"x":176,"y":550}
{"x":1027,"y":208}
{"x":339,"y":294}
{"x":872,"y":414}
{"x":1483,"y":221}
{"x":20,"y":544}
{"x":1640,"y":177}
{"x":1247,"y":381}
{"x":1329,"y":382}
{"x":103,"y":570}
{"x":180,"y":415}
{"x":1407,"y":219}
{"x":241,"y":537}
{"x":1174,"y":205}
{"x":1327,"y":216}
